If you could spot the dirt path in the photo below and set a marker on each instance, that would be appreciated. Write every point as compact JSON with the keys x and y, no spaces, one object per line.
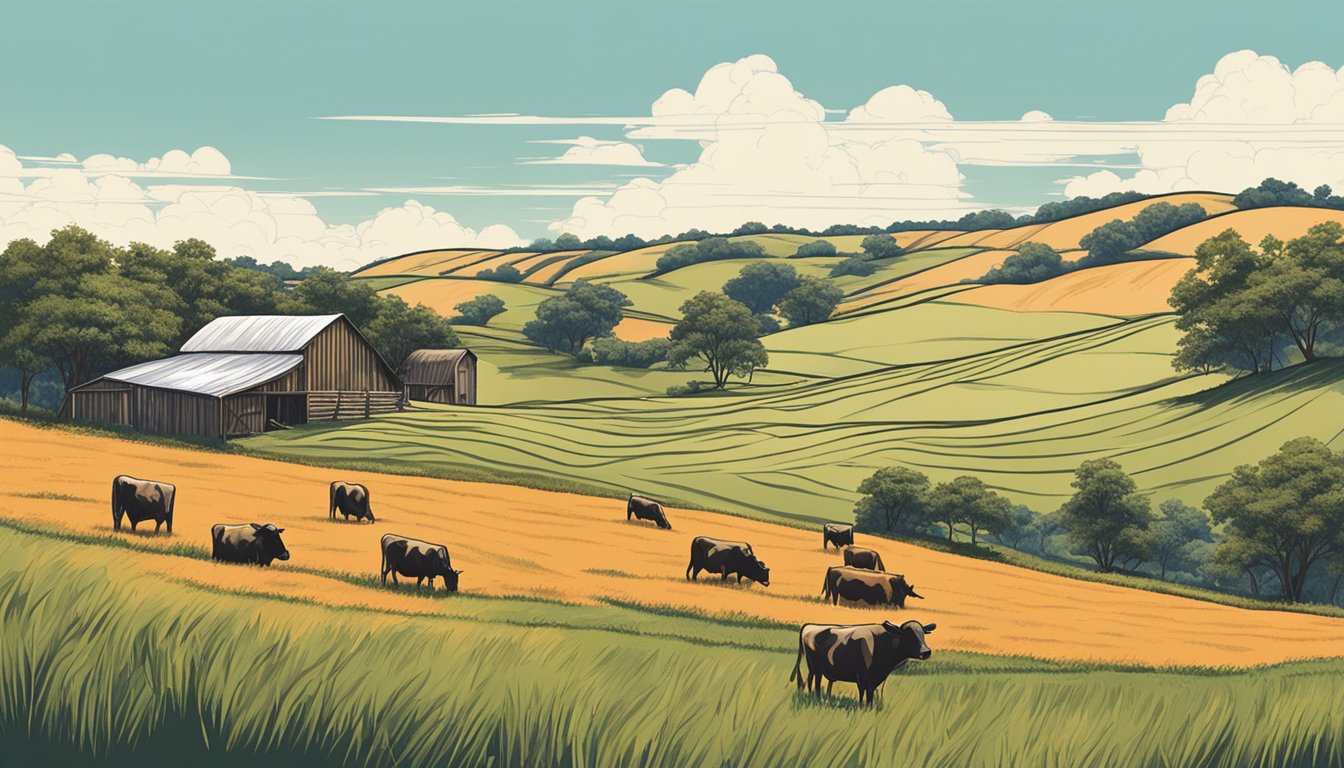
{"x":517,"y":541}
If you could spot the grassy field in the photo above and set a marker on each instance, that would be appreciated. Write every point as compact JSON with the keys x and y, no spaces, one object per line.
{"x":580,"y":550}
{"x":100,"y":657}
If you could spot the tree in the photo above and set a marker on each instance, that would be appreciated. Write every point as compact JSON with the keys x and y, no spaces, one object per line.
{"x":708,"y":249}
{"x":21,"y":264}
{"x":504,"y":273}
{"x":811,"y":302}
{"x":479,"y":310}
{"x":892,"y":500}
{"x":399,"y":329}
{"x":1018,"y":527}
{"x":1222,"y":323}
{"x":328,"y":292}
{"x":586,"y":311}
{"x":1044,"y":527}
{"x":1107,"y":518}
{"x":761,"y":285}
{"x":1109,"y":242}
{"x":968,"y":500}
{"x":722,"y":333}
{"x":881,"y":247}
{"x":854,"y":265}
{"x":1178,"y":527}
{"x":816,"y":248}
{"x":1033,"y":263}
{"x":751,"y":228}
{"x":1303,"y":283}
{"x":568,"y":242}
{"x":1285,"y":513}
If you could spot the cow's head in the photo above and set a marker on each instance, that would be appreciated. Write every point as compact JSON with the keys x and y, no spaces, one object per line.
{"x":901,"y":590}
{"x":268,"y":536}
{"x":450,"y":580}
{"x":756,"y":570}
{"x":368,"y":512}
{"x":908,"y":639}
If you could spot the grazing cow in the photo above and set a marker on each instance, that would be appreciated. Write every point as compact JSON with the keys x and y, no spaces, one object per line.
{"x":142,"y":500}
{"x":838,"y":534}
{"x":351,"y":500}
{"x":863,"y":586}
{"x":863,"y":654}
{"x":412,"y":557}
{"x":642,"y":508}
{"x":725,"y":557}
{"x":248,"y":543}
{"x":868,"y":559}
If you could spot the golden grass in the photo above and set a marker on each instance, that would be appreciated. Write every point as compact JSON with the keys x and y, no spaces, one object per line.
{"x":429,"y":263}
{"x":970,"y":267}
{"x":543,"y":275}
{"x":1254,"y":224}
{"x":1131,"y":288}
{"x":635,"y":262}
{"x":442,"y":295}
{"x":578,"y":549}
{"x":638,"y":329}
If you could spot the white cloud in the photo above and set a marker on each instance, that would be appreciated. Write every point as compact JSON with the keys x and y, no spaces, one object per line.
{"x":586,"y":150}
{"x":236,"y":221}
{"x":768,"y":154}
{"x":1252,"y":117}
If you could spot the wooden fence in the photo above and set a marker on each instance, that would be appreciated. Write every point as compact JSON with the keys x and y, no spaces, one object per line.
{"x":341,"y":406}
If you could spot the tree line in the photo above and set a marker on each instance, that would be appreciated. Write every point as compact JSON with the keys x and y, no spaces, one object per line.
{"x":1272,"y":528}
{"x":78,"y":307}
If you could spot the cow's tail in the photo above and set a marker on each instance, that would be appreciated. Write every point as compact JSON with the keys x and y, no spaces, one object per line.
{"x":798,"y":662}
{"x":116,"y":506}
{"x":383,"y":568}
{"x":331,"y":508}
{"x":826,"y":584}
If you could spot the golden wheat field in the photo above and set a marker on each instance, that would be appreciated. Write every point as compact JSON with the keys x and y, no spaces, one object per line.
{"x":516,"y":541}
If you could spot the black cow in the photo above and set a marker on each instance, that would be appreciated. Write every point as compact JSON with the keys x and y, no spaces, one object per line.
{"x":141,"y":500}
{"x":421,"y":559}
{"x":351,"y":500}
{"x":248,"y":543}
{"x":863,"y":586}
{"x":863,"y":654}
{"x":839,"y":534}
{"x":642,"y":508}
{"x":724,"y":558}
{"x":868,"y":559}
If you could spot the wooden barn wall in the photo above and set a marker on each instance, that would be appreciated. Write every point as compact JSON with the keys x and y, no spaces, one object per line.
{"x":168,"y":412}
{"x":294,"y":381}
{"x":101,"y":404}
{"x":245,"y":414}
{"x":466,"y":380}
{"x":338,"y":359}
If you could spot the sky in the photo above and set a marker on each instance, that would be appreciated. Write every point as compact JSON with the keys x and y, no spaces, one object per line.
{"x":338,"y":132}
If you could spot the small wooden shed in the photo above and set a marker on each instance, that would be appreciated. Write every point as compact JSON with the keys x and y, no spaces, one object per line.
{"x":246,"y":374}
{"x":439,"y":376}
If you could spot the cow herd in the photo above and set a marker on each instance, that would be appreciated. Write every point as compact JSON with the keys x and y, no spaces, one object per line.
{"x":140,"y":501}
{"x":863,"y":654}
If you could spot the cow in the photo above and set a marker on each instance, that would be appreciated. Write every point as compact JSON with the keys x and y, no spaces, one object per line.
{"x":868,"y":559}
{"x":724,"y":558}
{"x":421,"y":559}
{"x":642,"y":508}
{"x":838,"y":534}
{"x":248,"y":543}
{"x":351,"y":500}
{"x":141,"y":500}
{"x":863,"y":654}
{"x":863,"y":586}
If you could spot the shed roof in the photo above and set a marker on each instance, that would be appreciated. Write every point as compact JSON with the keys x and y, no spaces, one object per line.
{"x":258,"y":333}
{"x":431,"y":366}
{"x":212,"y":374}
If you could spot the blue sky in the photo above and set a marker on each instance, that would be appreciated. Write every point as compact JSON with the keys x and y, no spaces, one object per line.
{"x":136,"y":79}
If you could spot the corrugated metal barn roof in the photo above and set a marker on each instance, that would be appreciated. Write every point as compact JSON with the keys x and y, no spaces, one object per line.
{"x":430,"y":366}
{"x":258,"y":333}
{"x":211,"y":374}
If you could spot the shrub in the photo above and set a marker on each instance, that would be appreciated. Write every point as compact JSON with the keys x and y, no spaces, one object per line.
{"x":1032,"y":263}
{"x":628,"y":354}
{"x":504,"y":273}
{"x":815,"y":248}
{"x":881,"y":247}
{"x":709,"y":249}
{"x":811,"y":302}
{"x":479,"y":310}
{"x":689,"y":388}
{"x":854,"y":265}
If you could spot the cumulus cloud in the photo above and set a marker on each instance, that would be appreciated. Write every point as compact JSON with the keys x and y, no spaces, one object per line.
{"x":1250,"y":118}
{"x":236,"y":221}
{"x":768,"y":154}
{"x":586,"y":150}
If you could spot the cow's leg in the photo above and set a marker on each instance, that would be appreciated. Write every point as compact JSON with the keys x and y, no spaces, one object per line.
{"x":395,"y":581}
{"x":419,"y":580}
{"x":384,"y":577}
{"x":431,"y":583}
{"x":134,"y":523}
{"x":157,"y":525}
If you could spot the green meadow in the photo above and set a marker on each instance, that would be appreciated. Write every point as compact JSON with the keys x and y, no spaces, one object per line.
{"x":94,"y":664}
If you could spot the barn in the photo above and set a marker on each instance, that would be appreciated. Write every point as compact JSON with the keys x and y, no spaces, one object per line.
{"x":243,"y":375}
{"x":440,"y":376}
